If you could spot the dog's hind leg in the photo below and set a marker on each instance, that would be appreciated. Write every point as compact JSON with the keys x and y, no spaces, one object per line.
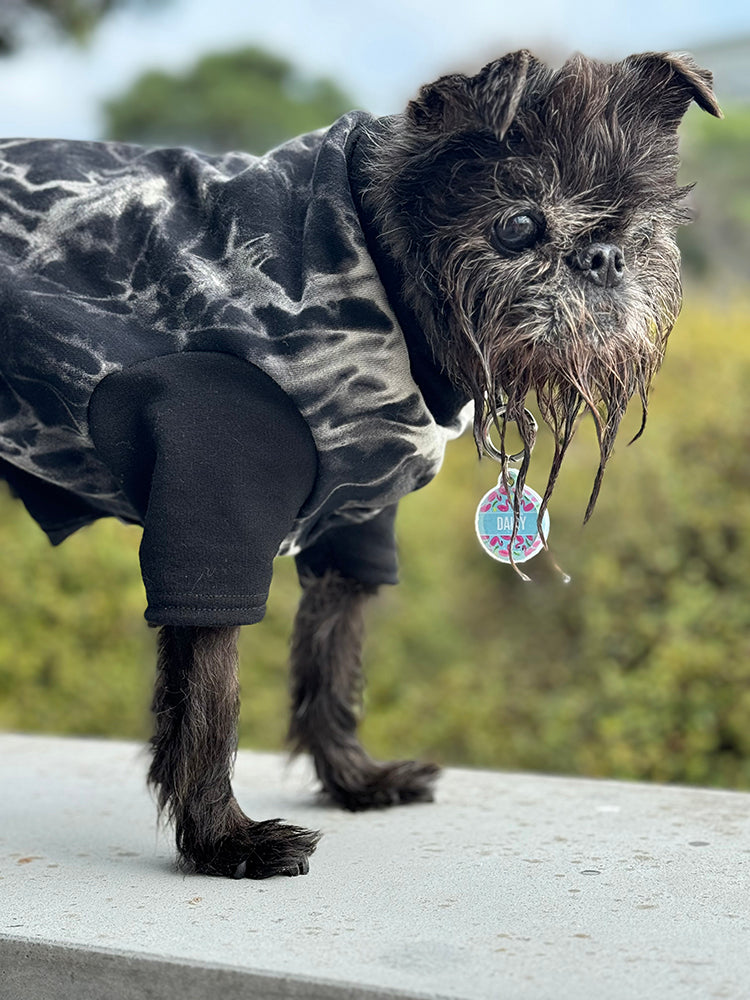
{"x":327,"y":683}
{"x":196,"y":706}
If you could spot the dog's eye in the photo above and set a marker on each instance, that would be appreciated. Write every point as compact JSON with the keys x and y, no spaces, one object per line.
{"x":519,"y":232}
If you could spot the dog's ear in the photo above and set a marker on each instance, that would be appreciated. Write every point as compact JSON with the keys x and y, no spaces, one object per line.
{"x":460,"y":103}
{"x":499,"y":88}
{"x":446,"y":105}
{"x":669,"y":82}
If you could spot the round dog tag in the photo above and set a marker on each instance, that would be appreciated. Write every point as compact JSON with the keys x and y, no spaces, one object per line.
{"x":494,"y":522}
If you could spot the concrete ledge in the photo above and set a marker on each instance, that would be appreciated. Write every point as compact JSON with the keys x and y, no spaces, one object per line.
{"x":509,"y":886}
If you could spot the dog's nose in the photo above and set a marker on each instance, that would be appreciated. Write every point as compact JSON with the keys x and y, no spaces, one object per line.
{"x":602,"y":263}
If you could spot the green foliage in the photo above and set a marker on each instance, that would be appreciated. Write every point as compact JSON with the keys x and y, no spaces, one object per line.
{"x":247,"y":99}
{"x":75,"y":19}
{"x":639,"y":668}
{"x":717,"y":153}
{"x":69,"y":617}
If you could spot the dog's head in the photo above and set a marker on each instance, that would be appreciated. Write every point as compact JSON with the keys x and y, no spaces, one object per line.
{"x":534,"y":213}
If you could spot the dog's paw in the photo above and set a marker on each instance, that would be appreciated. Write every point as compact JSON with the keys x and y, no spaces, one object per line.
{"x":376,"y":786}
{"x":259,"y":850}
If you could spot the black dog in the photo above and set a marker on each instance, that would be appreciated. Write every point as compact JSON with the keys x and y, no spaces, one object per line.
{"x":253,"y":357}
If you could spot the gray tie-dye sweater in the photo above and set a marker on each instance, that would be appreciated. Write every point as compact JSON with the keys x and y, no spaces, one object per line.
{"x":112,"y":255}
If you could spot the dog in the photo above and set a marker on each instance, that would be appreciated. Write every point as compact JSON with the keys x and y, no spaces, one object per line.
{"x":259,"y":356}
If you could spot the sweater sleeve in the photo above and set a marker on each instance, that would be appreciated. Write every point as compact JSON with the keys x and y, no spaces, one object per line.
{"x":365,"y":552}
{"x":218,"y":462}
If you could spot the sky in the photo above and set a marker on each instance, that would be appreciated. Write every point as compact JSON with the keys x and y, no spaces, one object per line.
{"x":379,"y":52}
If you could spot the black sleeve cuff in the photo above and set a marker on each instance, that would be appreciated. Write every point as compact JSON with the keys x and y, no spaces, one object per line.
{"x":207,"y":610}
{"x":365,"y":552}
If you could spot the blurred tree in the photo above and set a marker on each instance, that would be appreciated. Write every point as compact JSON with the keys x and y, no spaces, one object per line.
{"x":716,"y":247}
{"x":252,"y":100}
{"x":74,"y":18}
{"x":248,"y":99}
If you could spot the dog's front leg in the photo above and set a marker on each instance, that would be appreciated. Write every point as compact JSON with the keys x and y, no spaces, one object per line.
{"x":327,"y":683}
{"x":196,"y":706}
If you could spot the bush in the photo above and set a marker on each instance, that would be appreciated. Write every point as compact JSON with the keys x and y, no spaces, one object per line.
{"x":638,"y":668}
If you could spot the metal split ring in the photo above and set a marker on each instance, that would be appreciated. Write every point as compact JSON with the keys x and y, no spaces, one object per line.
{"x":490,"y":450}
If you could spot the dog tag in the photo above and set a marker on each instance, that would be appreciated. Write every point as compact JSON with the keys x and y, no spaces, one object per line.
{"x":494,"y":522}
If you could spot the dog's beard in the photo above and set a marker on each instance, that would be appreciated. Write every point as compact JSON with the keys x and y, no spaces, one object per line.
{"x":586,"y":350}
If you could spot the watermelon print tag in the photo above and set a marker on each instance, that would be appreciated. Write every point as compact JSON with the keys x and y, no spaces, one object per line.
{"x":494,"y":522}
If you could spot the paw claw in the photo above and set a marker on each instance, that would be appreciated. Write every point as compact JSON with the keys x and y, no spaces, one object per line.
{"x":301,"y":868}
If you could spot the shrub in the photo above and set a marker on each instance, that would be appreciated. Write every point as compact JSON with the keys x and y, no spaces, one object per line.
{"x":639,"y":668}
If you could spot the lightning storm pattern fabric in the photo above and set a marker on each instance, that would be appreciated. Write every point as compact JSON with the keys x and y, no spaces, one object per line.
{"x":112,"y":254}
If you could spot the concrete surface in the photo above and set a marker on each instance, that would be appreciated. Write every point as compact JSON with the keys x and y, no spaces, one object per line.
{"x":509,"y":886}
